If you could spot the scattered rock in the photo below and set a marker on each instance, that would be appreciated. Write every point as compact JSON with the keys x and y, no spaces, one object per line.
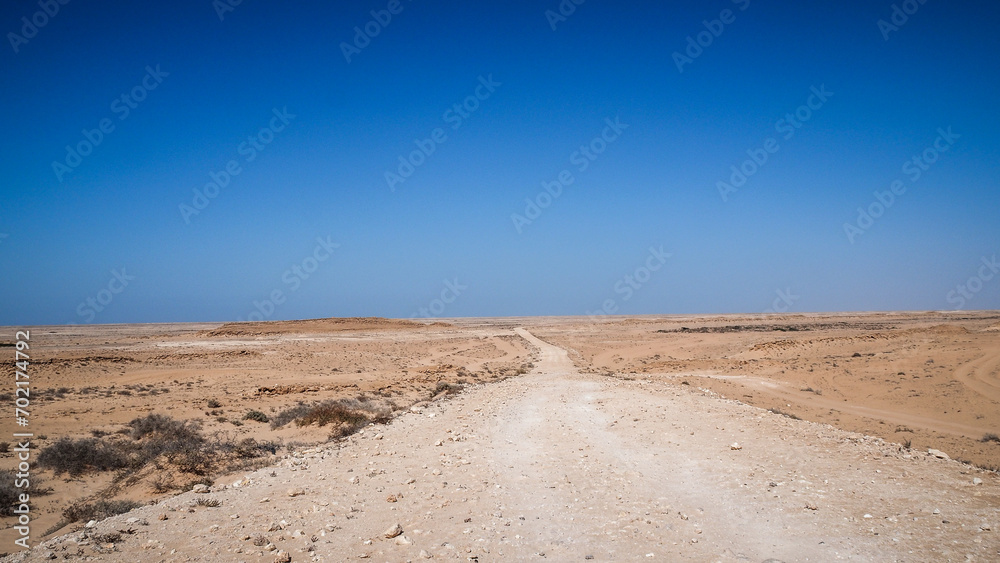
{"x":735,"y":446}
{"x":391,"y":498}
{"x":393,"y":531}
{"x":811,"y":506}
{"x":977,"y":481}
{"x":425,"y":555}
{"x":200,"y":488}
{"x":937,"y":453}
{"x":282,"y":557}
{"x":403,"y":540}
{"x":295,"y":492}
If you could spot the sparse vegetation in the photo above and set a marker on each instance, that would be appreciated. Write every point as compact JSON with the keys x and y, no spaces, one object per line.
{"x":9,"y":494}
{"x":209,"y":502}
{"x":213,"y":404}
{"x":347,"y":415}
{"x":78,"y":456}
{"x":147,"y":440}
{"x":255,"y":416}
{"x":785,"y":414}
{"x":811,"y":390}
{"x":98,"y":510}
{"x":444,"y":387}
{"x":289,"y":414}
{"x":111,"y":537}
{"x":990,"y":438}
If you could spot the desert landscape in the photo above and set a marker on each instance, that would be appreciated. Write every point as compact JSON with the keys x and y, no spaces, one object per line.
{"x":807,"y":437}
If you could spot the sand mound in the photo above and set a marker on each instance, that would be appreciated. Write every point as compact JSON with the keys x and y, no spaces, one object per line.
{"x":312,"y":326}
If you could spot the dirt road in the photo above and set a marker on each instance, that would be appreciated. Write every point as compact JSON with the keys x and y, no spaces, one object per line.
{"x":562,"y":466}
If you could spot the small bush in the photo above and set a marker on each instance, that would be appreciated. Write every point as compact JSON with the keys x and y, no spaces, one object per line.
{"x":448,"y":388}
{"x":213,"y":404}
{"x":248,"y":448}
{"x":98,"y":510}
{"x":10,"y":495}
{"x":327,"y":413}
{"x":289,"y":414}
{"x":209,"y":502}
{"x":4,"y":447}
{"x":990,"y":438}
{"x":79,"y":456}
{"x":163,"y":484}
{"x":157,"y":424}
{"x":256,"y":416}
{"x":785,"y":414}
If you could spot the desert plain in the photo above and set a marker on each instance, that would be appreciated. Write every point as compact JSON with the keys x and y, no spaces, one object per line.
{"x":799,"y":437}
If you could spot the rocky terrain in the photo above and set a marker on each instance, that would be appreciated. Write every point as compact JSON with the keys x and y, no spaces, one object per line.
{"x":563,"y":465}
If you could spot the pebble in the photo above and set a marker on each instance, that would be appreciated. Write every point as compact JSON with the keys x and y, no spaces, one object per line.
{"x":295,"y":492}
{"x":977,"y":481}
{"x":393,"y":531}
{"x":200,"y":488}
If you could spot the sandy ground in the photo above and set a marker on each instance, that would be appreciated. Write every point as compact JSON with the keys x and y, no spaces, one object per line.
{"x":618,"y":445}
{"x":89,"y":379}
{"x":928,"y":379}
{"x":560,"y":465}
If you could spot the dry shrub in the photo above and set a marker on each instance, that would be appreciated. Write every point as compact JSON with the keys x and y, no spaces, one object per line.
{"x":98,"y":510}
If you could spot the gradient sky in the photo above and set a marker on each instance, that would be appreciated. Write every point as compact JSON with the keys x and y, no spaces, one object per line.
{"x":450,"y":223}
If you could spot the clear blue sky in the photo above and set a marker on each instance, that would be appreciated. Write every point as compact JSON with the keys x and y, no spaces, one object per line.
{"x":199,"y":90}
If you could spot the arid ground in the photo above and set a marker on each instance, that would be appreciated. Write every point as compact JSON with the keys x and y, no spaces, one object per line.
{"x":557,"y":439}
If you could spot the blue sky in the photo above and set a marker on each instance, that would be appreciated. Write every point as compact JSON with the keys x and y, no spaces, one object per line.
{"x":105,"y":237}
